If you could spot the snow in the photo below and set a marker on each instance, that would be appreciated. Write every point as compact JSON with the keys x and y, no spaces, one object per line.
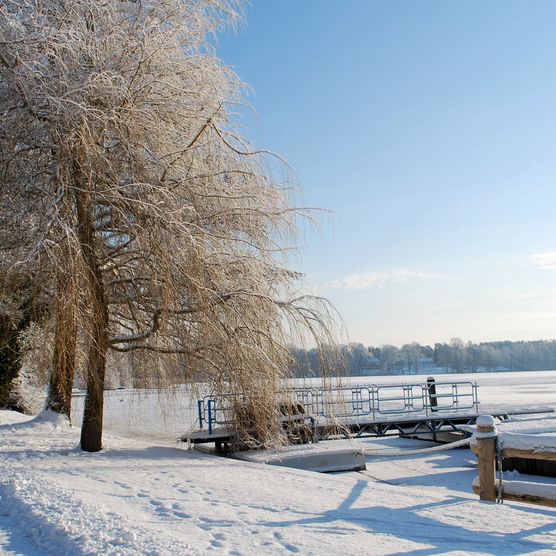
{"x":528,"y":442}
{"x":520,"y":488}
{"x":487,"y":423}
{"x":324,"y":457}
{"x":532,"y":435}
{"x":149,"y":495}
{"x":544,"y":425}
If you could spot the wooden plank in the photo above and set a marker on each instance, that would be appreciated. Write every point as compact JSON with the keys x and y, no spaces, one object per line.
{"x":528,"y":454}
{"x":526,"y":498}
{"x":523,"y":454}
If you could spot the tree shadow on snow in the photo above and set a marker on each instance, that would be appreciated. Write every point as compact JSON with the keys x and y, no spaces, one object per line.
{"x":408,"y":523}
{"x":459,"y":473}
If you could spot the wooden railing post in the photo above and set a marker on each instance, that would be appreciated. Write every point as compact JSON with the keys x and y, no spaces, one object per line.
{"x":486,"y":448}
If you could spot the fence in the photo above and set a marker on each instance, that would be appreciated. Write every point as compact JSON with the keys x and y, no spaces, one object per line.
{"x":355,"y":403}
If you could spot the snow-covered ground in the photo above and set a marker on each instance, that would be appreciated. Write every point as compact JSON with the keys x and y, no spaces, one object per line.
{"x":153,"y":497}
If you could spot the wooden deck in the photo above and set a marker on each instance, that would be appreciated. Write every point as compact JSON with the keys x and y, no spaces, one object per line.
{"x":361,"y":428}
{"x":221,"y":438}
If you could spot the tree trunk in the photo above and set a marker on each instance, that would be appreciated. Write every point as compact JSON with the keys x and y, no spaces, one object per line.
{"x":91,"y":429}
{"x":65,"y":348}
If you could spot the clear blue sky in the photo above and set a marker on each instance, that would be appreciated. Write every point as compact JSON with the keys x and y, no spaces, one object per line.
{"x":428,"y":128}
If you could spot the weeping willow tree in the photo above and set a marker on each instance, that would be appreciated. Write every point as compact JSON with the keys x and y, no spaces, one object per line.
{"x":163,"y":231}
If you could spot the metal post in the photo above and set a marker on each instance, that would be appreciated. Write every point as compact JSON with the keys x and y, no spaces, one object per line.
{"x":431,"y":387}
{"x":210,"y":416}
{"x":200,"y":410}
{"x":486,"y":449}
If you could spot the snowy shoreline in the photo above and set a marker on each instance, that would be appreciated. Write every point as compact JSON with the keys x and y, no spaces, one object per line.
{"x":144,"y":494}
{"x":137,"y":498}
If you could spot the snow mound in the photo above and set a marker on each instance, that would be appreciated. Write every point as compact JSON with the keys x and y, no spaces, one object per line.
{"x":49,"y":417}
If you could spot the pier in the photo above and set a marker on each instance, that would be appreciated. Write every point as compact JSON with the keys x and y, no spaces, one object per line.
{"x":355,"y":411}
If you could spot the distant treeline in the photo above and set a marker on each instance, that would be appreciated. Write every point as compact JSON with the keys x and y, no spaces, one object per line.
{"x":455,"y":356}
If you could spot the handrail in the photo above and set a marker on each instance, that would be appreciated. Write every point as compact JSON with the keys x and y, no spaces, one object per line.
{"x":347,"y":402}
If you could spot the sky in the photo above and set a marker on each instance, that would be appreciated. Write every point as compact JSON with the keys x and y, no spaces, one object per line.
{"x":426,"y":131}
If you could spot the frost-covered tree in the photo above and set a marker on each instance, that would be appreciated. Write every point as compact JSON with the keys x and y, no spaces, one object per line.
{"x":389,"y":357}
{"x":410,"y":354}
{"x":18,"y":309}
{"x":23,"y":299}
{"x":161,"y":231}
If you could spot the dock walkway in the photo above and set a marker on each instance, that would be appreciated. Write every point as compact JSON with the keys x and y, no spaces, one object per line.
{"x":356,"y":411}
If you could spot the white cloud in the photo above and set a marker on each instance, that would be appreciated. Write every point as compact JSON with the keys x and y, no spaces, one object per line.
{"x":363,"y":280}
{"x":545,"y":261}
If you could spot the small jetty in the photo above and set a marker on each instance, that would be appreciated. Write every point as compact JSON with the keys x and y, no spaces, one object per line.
{"x":428,"y":408}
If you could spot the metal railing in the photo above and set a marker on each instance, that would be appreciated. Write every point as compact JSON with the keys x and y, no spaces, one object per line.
{"x":372,"y":402}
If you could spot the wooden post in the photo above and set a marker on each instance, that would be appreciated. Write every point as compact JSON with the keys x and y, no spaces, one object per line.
{"x":486,"y":448}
